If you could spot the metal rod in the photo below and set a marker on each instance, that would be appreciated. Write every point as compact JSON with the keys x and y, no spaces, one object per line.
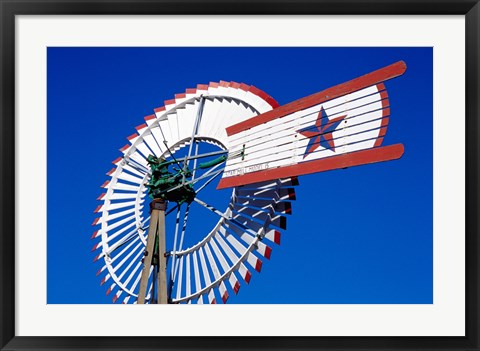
{"x":209,"y":181}
{"x":171,"y":154}
{"x":194,"y":158}
{"x":130,"y":236}
{"x":223,"y":215}
{"x":208,"y":154}
{"x":205,"y":175}
{"x":194,"y":131}
{"x":177,"y":226}
{"x":184,"y":227}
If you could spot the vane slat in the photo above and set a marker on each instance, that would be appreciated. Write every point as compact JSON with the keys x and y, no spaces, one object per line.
{"x":251,"y":259}
{"x":180,"y":277}
{"x":334,"y":108}
{"x":216,"y":272}
{"x":260,"y":247}
{"x":242,"y":270}
{"x":152,"y":123}
{"x":206,"y":275}
{"x":198,"y":285}
{"x":188,"y":282}
{"x":225,"y":266}
{"x":115,"y":216}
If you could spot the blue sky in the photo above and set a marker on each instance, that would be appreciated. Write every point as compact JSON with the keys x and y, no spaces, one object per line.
{"x":358,"y":235}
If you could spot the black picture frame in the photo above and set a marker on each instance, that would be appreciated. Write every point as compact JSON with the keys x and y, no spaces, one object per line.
{"x":10,"y":8}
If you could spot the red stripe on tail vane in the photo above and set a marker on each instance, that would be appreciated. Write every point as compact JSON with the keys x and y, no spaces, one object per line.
{"x":364,"y":81}
{"x":386,"y":153}
{"x":378,"y":142}
{"x":382,"y":133}
{"x":384,"y":124}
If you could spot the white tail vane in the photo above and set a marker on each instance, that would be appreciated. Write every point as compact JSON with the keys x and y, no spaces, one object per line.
{"x":339,"y":127}
{"x":216,"y":266}
{"x":263,"y":147}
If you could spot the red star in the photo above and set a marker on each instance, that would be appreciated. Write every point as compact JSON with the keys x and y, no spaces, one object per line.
{"x":320,"y":134}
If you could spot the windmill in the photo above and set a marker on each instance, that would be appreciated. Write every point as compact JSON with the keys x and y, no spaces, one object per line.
{"x":239,"y":136}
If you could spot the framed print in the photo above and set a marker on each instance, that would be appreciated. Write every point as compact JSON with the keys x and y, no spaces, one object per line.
{"x":254,"y":98}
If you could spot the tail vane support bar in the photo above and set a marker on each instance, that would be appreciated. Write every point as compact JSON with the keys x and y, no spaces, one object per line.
{"x":362,"y":157}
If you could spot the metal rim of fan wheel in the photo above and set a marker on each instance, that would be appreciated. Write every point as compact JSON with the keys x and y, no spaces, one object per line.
{"x":220,"y":262}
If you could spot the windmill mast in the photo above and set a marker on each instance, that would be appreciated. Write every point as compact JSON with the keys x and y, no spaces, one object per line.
{"x":155,"y":253}
{"x":164,"y":186}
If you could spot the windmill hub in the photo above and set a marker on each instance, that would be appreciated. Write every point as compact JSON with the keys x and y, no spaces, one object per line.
{"x":168,"y":182}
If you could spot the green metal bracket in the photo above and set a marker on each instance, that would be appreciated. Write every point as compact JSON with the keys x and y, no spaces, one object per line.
{"x":163,"y":179}
{"x":213,"y":162}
